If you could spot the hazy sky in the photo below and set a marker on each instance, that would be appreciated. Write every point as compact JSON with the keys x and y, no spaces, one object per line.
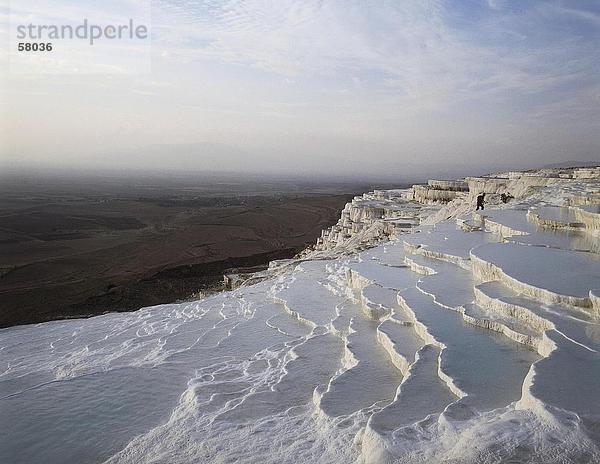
{"x":355,"y":87}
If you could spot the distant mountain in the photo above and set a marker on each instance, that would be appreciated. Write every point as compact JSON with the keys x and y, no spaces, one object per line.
{"x":572,"y":164}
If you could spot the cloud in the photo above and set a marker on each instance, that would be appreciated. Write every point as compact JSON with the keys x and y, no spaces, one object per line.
{"x":427,"y":79}
{"x":410,"y":46}
{"x":495,"y":4}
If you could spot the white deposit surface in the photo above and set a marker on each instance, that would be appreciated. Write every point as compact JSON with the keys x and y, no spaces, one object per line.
{"x":474,"y":340}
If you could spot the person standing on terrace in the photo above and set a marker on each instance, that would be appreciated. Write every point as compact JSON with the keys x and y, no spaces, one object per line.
{"x":480,"y":201}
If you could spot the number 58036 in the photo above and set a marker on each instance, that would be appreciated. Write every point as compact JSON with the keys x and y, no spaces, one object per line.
{"x":34,"y":47}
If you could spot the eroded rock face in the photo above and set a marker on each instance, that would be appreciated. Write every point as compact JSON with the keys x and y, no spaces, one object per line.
{"x":408,"y":333}
{"x":431,"y":195}
{"x":367,"y":220}
{"x":587,"y":173}
{"x":455,"y":185}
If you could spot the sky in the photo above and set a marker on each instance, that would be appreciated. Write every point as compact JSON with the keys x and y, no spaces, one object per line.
{"x":352,"y":87}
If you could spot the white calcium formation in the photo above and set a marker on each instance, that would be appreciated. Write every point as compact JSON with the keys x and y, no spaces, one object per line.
{"x":414,"y":330}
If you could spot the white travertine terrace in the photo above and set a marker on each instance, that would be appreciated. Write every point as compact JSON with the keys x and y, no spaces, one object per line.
{"x":587,"y":173}
{"x":538,"y":272}
{"x":589,"y":216}
{"x":414,"y":330}
{"x":456,"y":185}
